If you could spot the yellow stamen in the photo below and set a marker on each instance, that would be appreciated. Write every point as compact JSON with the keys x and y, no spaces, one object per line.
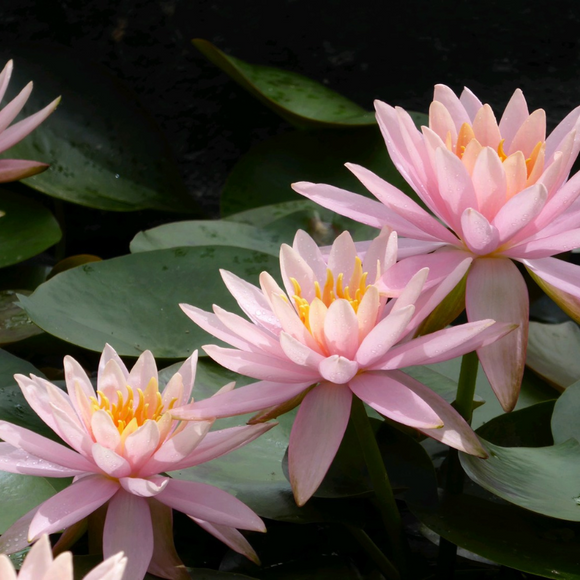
{"x":501,"y":152}
{"x":465,"y":135}
{"x":531,"y":160}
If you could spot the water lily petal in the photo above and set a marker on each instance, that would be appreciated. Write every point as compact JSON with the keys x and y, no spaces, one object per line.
{"x":294,"y":266}
{"x":338,"y":369}
{"x":143,"y":487}
{"x":16,"y":460}
{"x":479,"y":235}
{"x":504,"y":360}
{"x":444,"y":95}
{"x":110,"y":462}
{"x":16,"y":169}
{"x":514,"y":115}
{"x":39,"y":560}
{"x":307,"y":248}
{"x":111,"y":569}
{"x":315,"y":437}
{"x":341,"y":329}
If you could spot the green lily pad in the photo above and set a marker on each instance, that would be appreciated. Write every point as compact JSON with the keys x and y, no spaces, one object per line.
{"x":15,"y":324}
{"x":26,"y":228}
{"x":104,"y":150}
{"x":284,"y":219}
{"x":507,"y":535}
{"x":263,"y":176}
{"x":554,"y":352}
{"x":565,"y":417}
{"x":132,"y":302}
{"x":19,"y":494}
{"x":205,"y":233}
{"x":297,"y":99}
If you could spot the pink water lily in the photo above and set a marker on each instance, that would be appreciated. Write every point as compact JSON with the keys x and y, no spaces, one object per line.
{"x":499,"y":193}
{"x":14,"y":169}
{"x":331,"y":334}
{"x":39,"y":565}
{"x":123,"y":439}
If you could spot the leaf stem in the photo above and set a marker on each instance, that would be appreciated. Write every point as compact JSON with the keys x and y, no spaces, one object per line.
{"x":382,"y":562}
{"x":385,"y":498}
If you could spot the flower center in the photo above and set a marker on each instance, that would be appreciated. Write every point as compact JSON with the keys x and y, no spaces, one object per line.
{"x":353,"y":293}
{"x":130,"y":411}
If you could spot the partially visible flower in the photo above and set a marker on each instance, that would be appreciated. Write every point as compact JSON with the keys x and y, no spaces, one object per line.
{"x":332,"y":334}
{"x":123,"y":439}
{"x":499,"y":193}
{"x":39,"y":565}
{"x":14,"y":169}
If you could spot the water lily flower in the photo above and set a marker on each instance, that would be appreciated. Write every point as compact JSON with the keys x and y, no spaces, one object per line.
{"x":14,"y":169}
{"x":39,"y":565}
{"x":122,"y":440}
{"x":498,"y":193}
{"x":331,"y":334}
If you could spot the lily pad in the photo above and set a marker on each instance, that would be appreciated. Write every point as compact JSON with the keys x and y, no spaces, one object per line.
{"x":132,"y":302}
{"x":15,"y":324}
{"x":507,"y":535}
{"x":554,"y":352}
{"x":204,"y":233}
{"x":263,"y":176}
{"x":105,"y":151}
{"x":26,"y":228}
{"x":299,"y":100}
{"x":565,"y":424}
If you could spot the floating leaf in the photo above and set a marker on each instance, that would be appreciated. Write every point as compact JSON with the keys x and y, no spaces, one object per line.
{"x":26,"y":228}
{"x":105,"y":151}
{"x":263,"y":176}
{"x":132,"y":302}
{"x":565,"y":424}
{"x":15,"y":324}
{"x":507,"y":535}
{"x":206,"y":233}
{"x":554,"y":352}
{"x":297,"y":99}
{"x":72,"y":262}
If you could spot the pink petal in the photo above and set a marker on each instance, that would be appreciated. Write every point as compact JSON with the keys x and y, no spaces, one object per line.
{"x":384,"y":335}
{"x":11,"y":110}
{"x":519,"y":211}
{"x":253,"y":335}
{"x":128,"y":527}
{"x":341,"y":259}
{"x":110,"y":462}
{"x":368,"y":311}
{"x":310,"y":252}
{"x":109,"y":353}
{"x":247,"y":399}
{"x":514,"y":115}
{"x":545,"y":247}
{"x":15,"y":169}
{"x":44,"y":448}
{"x":72,"y":504}
{"x":559,"y":133}
{"x":441,"y":122}
{"x":104,"y":430}
{"x":315,"y":437}
{"x":187,"y":371}
{"x":395,"y":400}
{"x":455,"y":431}
{"x":471,"y":103}
{"x":209,"y":503}
{"x":5,"y":77}
{"x":341,"y":329}
{"x":38,"y":561}
{"x":485,"y":128}
{"x":489,"y":181}
{"x":357,"y":207}
{"x":412,"y":291}
{"x":532,"y":130}
{"x":447,"y":97}
{"x":69,"y":429}
{"x":252,"y":301}
{"x":213,"y":325}
{"x":112,"y":380}
{"x":111,"y":569}
{"x":218,"y":443}
{"x":143,"y":371}
{"x":7,"y":571}
{"x":258,"y":366}
{"x":479,"y":235}
{"x":177,"y":448}
{"x":381,"y":254}
{"x":141,"y":444}
{"x":293,"y":265}
{"x":444,"y":344}
{"x":61,"y":567}
{"x":165,"y":562}
{"x":337,"y":369}
{"x":15,"y":460}
{"x":230,"y":537}
{"x":299,"y":353}
{"x":144,"y":487}
{"x":558,"y":273}
{"x":15,"y":538}
{"x":19,"y":130}
{"x":402,"y":204}
{"x":504,"y":360}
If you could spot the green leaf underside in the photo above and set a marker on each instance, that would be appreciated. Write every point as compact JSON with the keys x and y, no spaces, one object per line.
{"x":132,"y":301}
{"x":105,"y":152}
{"x":299,"y":100}
{"x":26,"y":229}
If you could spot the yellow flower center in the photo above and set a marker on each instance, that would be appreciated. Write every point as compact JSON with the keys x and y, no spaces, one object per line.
{"x":128,"y":416}
{"x":353,"y":293}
